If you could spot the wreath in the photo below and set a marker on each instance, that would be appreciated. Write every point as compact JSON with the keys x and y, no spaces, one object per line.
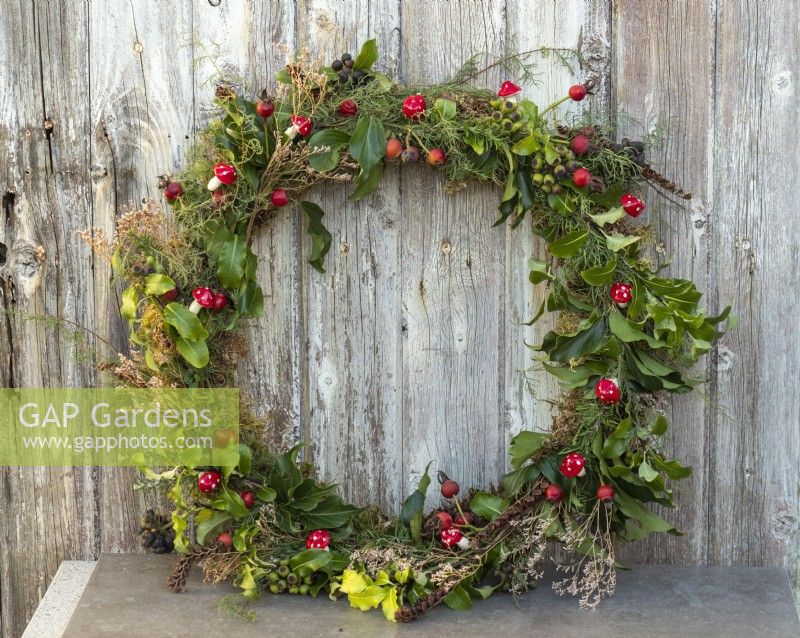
{"x":623,"y":338}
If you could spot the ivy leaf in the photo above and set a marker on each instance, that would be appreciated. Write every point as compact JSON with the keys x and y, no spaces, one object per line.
{"x":185,"y":322}
{"x":230,"y":266}
{"x":320,"y":236}
{"x":489,"y":506}
{"x":600,"y":275}
{"x":647,"y":473}
{"x":569,"y":245}
{"x":157,"y":284}
{"x":195,"y":352}
{"x":524,"y":445}
{"x":445,"y":108}
{"x":367,"y":56}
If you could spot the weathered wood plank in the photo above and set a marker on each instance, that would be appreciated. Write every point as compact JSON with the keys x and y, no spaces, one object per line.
{"x":663,"y":70}
{"x":246,"y":36}
{"x":46,"y":515}
{"x":453,"y":276}
{"x":141,"y":116}
{"x":353,"y":310}
{"x":753,"y":443}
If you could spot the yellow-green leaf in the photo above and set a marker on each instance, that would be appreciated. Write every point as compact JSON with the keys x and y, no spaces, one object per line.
{"x":352,"y":582}
{"x":617,"y":241}
{"x":389,"y":604}
{"x":157,"y":284}
{"x":369,"y":598}
{"x":609,"y":217}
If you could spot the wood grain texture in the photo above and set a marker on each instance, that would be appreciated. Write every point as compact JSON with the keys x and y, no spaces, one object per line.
{"x":753,"y":440}
{"x":409,"y":348}
{"x":46,"y":514}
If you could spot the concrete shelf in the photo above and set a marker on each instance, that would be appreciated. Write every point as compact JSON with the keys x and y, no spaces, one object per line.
{"x":126,"y":596}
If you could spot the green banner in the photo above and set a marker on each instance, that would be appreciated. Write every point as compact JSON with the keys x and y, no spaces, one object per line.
{"x":116,"y":427}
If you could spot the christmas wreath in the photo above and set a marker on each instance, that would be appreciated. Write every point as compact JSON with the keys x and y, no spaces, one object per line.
{"x":623,"y":338}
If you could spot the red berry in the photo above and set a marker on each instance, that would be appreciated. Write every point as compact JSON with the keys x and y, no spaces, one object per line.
{"x":632,"y":205}
{"x":279,"y":197}
{"x":173,"y":191}
{"x":465,"y":520}
{"x":207,"y":482}
{"x":170,"y":295}
{"x":220,"y":301}
{"x":265,"y":108}
{"x":226,"y":539}
{"x":435,"y":157}
{"x":348,"y":108}
{"x":605,"y":493}
{"x":577,"y":92}
{"x":553,"y":493}
{"x":393,"y":148}
{"x":621,"y":293}
{"x":572,"y":465}
{"x":445,"y":520}
{"x":449,"y":488}
{"x":414,"y":106}
{"x":249,"y":498}
{"x":581,"y":177}
{"x":411,"y":154}
{"x":607,"y":391}
{"x":580,"y":144}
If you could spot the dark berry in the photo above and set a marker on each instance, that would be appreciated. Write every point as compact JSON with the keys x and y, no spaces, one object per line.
{"x":348,"y":63}
{"x":337,"y":65}
{"x":346,"y":57}
{"x":344,"y":76}
{"x":358,"y":76}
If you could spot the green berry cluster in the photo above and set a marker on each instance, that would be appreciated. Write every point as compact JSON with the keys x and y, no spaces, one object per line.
{"x":282,"y":580}
{"x":507,"y":114}
{"x":343,"y":67}
{"x":547,"y":174}
{"x":156,"y":532}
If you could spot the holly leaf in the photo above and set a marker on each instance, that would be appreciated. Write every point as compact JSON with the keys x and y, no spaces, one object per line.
{"x":320,"y":236}
{"x":369,"y":598}
{"x":617,"y":241}
{"x":389,"y":605}
{"x":185,"y":322}
{"x":609,"y":217}
{"x":489,"y":506}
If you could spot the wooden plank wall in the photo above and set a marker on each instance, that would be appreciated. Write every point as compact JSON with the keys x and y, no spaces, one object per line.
{"x":409,"y":348}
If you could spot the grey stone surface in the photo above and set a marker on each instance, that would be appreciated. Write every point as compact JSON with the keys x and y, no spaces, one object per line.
{"x":55,"y":609}
{"x":127,"y":597}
